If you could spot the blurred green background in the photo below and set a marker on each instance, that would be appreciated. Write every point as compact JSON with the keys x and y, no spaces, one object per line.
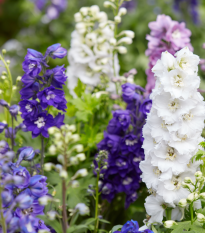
{"x":22,"y":27}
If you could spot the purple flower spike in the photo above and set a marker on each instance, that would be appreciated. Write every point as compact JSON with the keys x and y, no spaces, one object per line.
{"x":146,"y":106}
{"x":28,"y":108}
{"x":14,"y":109}
{"x":2,"y":127}
{"x":56,"y":51}
{"x":40,"y":124}
{"x":53,"y":97}
{"x":129,"y":92}
{"x":23,"y":201}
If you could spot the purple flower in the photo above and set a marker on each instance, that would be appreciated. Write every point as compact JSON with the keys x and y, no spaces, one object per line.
{"x":10,"y":132}
{"x":2,"y":127}
{"x":59,"y":120}
{"x":37,"y":185}
{"x":14,"y":109}
{"x":120,"y":122}
{"x":33,"y":63}
{"x":4,"y":103}
{"x":56,"y":51}
{"x":4,"y":147}
{"x":146,"y":106}
{"x":30,"y":91}
{"x":23,"y":201}
{"x":130,"y":5}
{"x":110,"y":143}
{"x":129,"y":92}
{"x":53,"y":97}
{"x":129,"y":144}
{"x":130,"y":227}
{"x":26,"y":154}
{"x":27,"y":80}
{"x":7,"y":197}
{"x":40,"y":124}
{"x":57,"y":76}
{"x":23,"y":173}
{"x":28,"y":108}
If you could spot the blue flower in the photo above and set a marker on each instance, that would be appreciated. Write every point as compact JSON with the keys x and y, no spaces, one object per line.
{"x":59,"y":120}
{"x":26,"y":154}
{"x":28,"y":80}
{"x":14,"y":109}
{"x":57,"y":76}
{"x":3,"y":103}
{"x":4,"y":147}
{"x":130,"y":227}
{"x":22,"y":173}
{"x":129,"y":92}
{"x":53,"y":97}
{"x":2,"y":127}
{"x":40,"y":124}
{"x":146,"y":106}
{"x":23,"y":201}
{"x":37,"y":185}
{"x":30,"y":91}
{"x":28,"y":108}
{"x":56,"y":51}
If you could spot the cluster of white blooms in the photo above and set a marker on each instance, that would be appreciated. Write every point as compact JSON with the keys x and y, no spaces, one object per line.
{"x":172,"y":133}
{"x":93,"y":53}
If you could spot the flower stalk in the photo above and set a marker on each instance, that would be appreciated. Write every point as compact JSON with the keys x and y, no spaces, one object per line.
{"x":97,"y":203}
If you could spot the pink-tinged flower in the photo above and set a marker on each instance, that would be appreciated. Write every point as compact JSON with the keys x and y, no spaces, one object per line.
{"x":166,"y":35}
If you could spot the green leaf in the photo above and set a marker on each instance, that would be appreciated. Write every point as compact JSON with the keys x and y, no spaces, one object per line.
{"x":154,"y":229}
{"x":75,"y":228}
{"x":198,"y":155}
{"x":116,"y":228}
{"x":89,"y":221}
{"x":53,"y":223}
{"x":82,"y":116}
{"x":80,"y":88}
{"x":182,"y":226}
{"x":103,"y":220}
{"x":202,"y":144}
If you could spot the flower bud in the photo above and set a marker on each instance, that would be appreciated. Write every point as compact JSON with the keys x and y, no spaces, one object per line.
{"x":74,"y":160}
{"x":58,"y":136}
{"x":48,"y":166}
{"x":188,"y":180}
{"x":80,"y":27}
{"x":72,"y":128}
{"x":3,"y":77}
{"x":75,"y":184}
{"x":182,"y":203}
{"x":63,"y":174}
{"x":52,"y":130}
{"x":202,"y":195}
{"x":113,"y":41}
{"x":51,"y":214}
{"x":94,"y":10}
{"x":169,"y":223}
{"x":8,"y":62}
{"x":79,"y":148}
{"x":125,"y":40}
{"x":52,"y":150}
{"x":192,"y":197}
{"x":102,"y":17}
{"x":44,"y":200}
{"x":60,"y":159}
{"x":59,"y":168}
{"x":128,"y":33}
{"x":117,"y":19}
{"x":84,"y":10}
{"x":4,"y":51}
{"x":18,"y":78}
{"x":43,"y":231}
{"x":184,"y":185}
{"x":200,"y":218}
{"x":78,"y":17}
{"x":81,"y":173}
{"x":83,"y":209}
{"x":109,"y":4}
{"x":122,"y":49}
{"x":122,"y":11}
{"x":198,"y":175}
{"x":81,"y":157}
{"x":75,"y":137}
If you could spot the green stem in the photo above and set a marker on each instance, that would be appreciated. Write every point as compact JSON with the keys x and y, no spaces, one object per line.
{"x":3,"y":222}
{"x":42,"y":154}
{"x":96,"y":203}
{"x":9,"y":76}
{"x":191,"y":212}
{"x":169,"y":214}
{"x":64,"y":206}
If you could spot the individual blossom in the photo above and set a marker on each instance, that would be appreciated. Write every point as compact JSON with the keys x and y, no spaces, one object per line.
{"x":28,"y":108}
{"x":172,"y":133}
{"x":122,"y":142}
{"x":166,"y":35}
{"x":56,"y":51}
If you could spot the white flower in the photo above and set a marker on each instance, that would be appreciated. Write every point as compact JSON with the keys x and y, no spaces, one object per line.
{"x":169,"y":223}
{"x":48,"y":166}
{"x":83,"y":209}
{"x":51,"y":214}
{"x":81,"y":157}
{"x":44,"y":200}
{"x":74,"y":160}
{"x":81,"y":173}
{"x":182,"y":203}
{"x":78,"y":148}
{"x":75,"y":184}
{"x":200,"y":218}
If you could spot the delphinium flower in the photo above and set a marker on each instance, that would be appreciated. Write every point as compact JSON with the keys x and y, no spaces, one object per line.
{"x":132,"y":227}
{"x":172,"y":133}
{"x":64,"y":143}
{"x":130,"y":5}
{"x":42,"y":89}
{"x":123,"y":141}
{"x":94,"y":47}
{"x":53,"y":8}
{"x":166,"y":35}
{"x":190,"y":6}
{"x":20,"y":192}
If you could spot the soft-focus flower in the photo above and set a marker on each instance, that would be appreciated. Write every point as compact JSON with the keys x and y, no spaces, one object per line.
{"x":83,"y":209}
{"x":37,"y":185}
{"x":56,"y":51}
